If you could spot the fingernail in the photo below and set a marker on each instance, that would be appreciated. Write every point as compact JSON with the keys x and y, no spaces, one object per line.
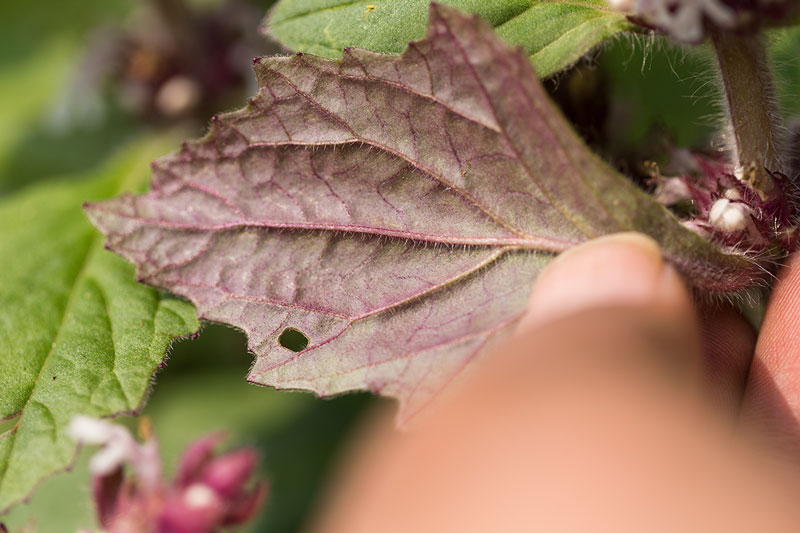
{"x":623,"y":269}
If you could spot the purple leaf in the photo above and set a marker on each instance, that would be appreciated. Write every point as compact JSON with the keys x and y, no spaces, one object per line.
{"x":390,"y":212}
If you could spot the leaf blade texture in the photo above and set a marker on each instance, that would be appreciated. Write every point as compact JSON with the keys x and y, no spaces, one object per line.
{"x":79,"y":335}
{"x":554,"y":34}
{"x":396,"y":211}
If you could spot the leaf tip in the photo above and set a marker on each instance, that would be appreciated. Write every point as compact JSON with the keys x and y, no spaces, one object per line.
{"x":88,"y":209}
{"x":442,"y":14}
{"x":441,"y":10}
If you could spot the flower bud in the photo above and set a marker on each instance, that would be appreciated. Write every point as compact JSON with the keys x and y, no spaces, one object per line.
{"x":729,"y":216}
{"x":195,"y":457}
{"x":228,"y":474}
{"x":209,"y":493}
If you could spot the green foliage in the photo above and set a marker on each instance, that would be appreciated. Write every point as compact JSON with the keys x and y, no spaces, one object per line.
{"x":785,"y":56}
{"x":554,"y":34}
{"x":201,"y":390}
{"x":79,"y":335}
{"x":638,"y":76}
{"x":661,"y":92}
{"x":25,"y":90}
{"x":39,"y":58}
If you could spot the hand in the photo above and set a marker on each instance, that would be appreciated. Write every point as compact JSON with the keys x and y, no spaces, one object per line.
{"x":617,"y":405}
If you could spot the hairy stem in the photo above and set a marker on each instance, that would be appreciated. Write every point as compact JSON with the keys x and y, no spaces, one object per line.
{"x":750,"y":105}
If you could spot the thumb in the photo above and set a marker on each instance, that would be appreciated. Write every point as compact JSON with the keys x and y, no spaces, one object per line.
{"x":619,"y":270}
{"x":613,"y":305}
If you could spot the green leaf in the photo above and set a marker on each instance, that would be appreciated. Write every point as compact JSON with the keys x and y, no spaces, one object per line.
{"x":297,"y":435}
{"x":78,"y":334}
{"x":553,"y":33}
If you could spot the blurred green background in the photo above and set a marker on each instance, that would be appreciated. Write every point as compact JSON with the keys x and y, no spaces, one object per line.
{"x":63,"y":112}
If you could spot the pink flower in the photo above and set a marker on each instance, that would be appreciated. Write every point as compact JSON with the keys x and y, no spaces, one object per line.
{"x":209,"y":492}
{"x":725,"y":208}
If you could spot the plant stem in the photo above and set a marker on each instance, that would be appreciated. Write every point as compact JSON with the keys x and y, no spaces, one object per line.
{"x":750,"y":105}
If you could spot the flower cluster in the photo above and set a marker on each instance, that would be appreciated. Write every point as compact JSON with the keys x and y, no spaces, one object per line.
{"x":724,"y":207}
{"x":207,"y":494}
{"x":148,"y":66}
{"x":686,"y":20}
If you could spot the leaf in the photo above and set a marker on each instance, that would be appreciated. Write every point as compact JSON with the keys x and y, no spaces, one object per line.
{"x":394,"y":211}
{"x":297,"y":435}
{"x":554,"y":33}
{"x":78,"y":334}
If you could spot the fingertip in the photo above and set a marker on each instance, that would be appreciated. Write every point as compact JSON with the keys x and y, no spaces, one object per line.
{"x":619,"y":270}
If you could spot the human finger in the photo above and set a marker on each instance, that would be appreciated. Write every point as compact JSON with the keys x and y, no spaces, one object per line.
{"x":772,"y":396}
{"x":728,"y":344}
{"x":590,"y":421}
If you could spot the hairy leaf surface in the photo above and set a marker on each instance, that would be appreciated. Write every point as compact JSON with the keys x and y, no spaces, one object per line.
{"x":78,"y":334}
{"x":394,"y":211}
{"x":553,"y":33}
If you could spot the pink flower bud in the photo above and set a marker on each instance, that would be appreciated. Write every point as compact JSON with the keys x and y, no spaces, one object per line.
{"x":228,"y":474}
{"x":246,"y":506}
{"x":193,"y":510}
{"x":208,"y":493}
{"x":196,"y":456}
{"x":106,"y":496}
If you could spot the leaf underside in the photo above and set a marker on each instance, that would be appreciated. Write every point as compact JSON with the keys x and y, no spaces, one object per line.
{"x":553,"y":33}
{"x":78,"y":334}
{"x":394,"y":211}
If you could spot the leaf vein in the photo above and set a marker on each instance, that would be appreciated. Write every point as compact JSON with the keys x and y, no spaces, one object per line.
{"x":557,"y":205}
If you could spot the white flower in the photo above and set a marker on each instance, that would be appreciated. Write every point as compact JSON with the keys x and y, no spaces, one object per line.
{"x":118,"y":448}
{"x":88,"y":430}
{"x":671,"y":191}
{"x":682,"y":19}
{"x":729,"y":216}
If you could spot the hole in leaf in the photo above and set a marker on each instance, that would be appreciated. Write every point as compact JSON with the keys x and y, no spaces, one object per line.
{"x":293,"y":340}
